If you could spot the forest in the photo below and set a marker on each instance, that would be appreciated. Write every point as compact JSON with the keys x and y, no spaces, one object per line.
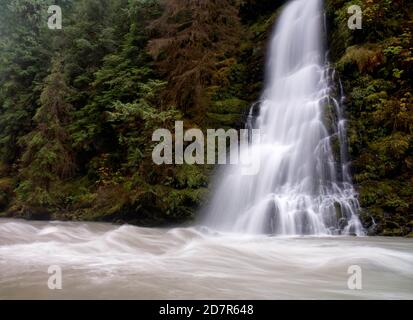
{"x":78,"y":105}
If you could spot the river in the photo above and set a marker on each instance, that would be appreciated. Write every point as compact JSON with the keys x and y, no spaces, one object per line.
{"x":104,"y":261}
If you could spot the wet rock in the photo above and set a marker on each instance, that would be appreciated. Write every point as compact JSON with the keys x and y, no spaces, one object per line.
{"x":36,"y":213}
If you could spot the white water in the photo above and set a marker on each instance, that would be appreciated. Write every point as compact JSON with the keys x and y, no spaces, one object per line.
{"x":301,"y":188}
{"x":102,"y":261}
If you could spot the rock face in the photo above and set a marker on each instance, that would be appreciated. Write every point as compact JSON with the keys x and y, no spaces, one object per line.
{"x":375,"y":66}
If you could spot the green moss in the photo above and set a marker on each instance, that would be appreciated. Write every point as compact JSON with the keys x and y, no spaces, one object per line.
{"x":367,"y":58}
{"x":229,"y":106}
{"x":219,"y":120}
{"x":393,"y":232}
{"x":261,"y":28}
{"x":372,"y":63}
{"x":188,"y":176}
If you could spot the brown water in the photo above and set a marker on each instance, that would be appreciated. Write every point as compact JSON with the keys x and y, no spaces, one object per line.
{"x":102,"y":261}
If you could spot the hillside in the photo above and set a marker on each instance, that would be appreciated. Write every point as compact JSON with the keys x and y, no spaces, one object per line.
{"x":78,"y":106}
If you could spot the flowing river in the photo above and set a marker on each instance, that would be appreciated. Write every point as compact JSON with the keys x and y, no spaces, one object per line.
{"x":103,"y":261}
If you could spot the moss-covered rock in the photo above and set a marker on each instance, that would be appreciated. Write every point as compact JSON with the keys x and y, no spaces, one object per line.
{"x":373,"y":64}
{"x":229,"y":106}
{"x":6,"y":192}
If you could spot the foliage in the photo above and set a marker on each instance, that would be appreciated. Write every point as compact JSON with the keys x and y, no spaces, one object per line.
{"x":47,"y":156}
{"x":194,"y":36}
{"x":78,"y":106}
{"x":375,"y":64}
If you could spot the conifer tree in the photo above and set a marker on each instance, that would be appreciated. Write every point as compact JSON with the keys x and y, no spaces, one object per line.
{"x":47,"y":158}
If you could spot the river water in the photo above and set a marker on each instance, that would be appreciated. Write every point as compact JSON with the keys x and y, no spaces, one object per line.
{"x":104,"y":261}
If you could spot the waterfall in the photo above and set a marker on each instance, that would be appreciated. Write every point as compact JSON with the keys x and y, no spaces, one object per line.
{"x":303,"y":187}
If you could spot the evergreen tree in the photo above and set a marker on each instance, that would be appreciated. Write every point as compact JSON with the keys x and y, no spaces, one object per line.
{"x":193,"y":36}
{"x":24,"y":59}
{"x":47,"y":158}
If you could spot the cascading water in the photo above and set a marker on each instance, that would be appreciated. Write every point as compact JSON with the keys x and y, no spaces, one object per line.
{"x":300,"y":188}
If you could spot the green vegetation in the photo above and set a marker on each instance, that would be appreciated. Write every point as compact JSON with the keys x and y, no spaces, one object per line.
{"x":375,"y":65}
{"x":78,"y":106}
